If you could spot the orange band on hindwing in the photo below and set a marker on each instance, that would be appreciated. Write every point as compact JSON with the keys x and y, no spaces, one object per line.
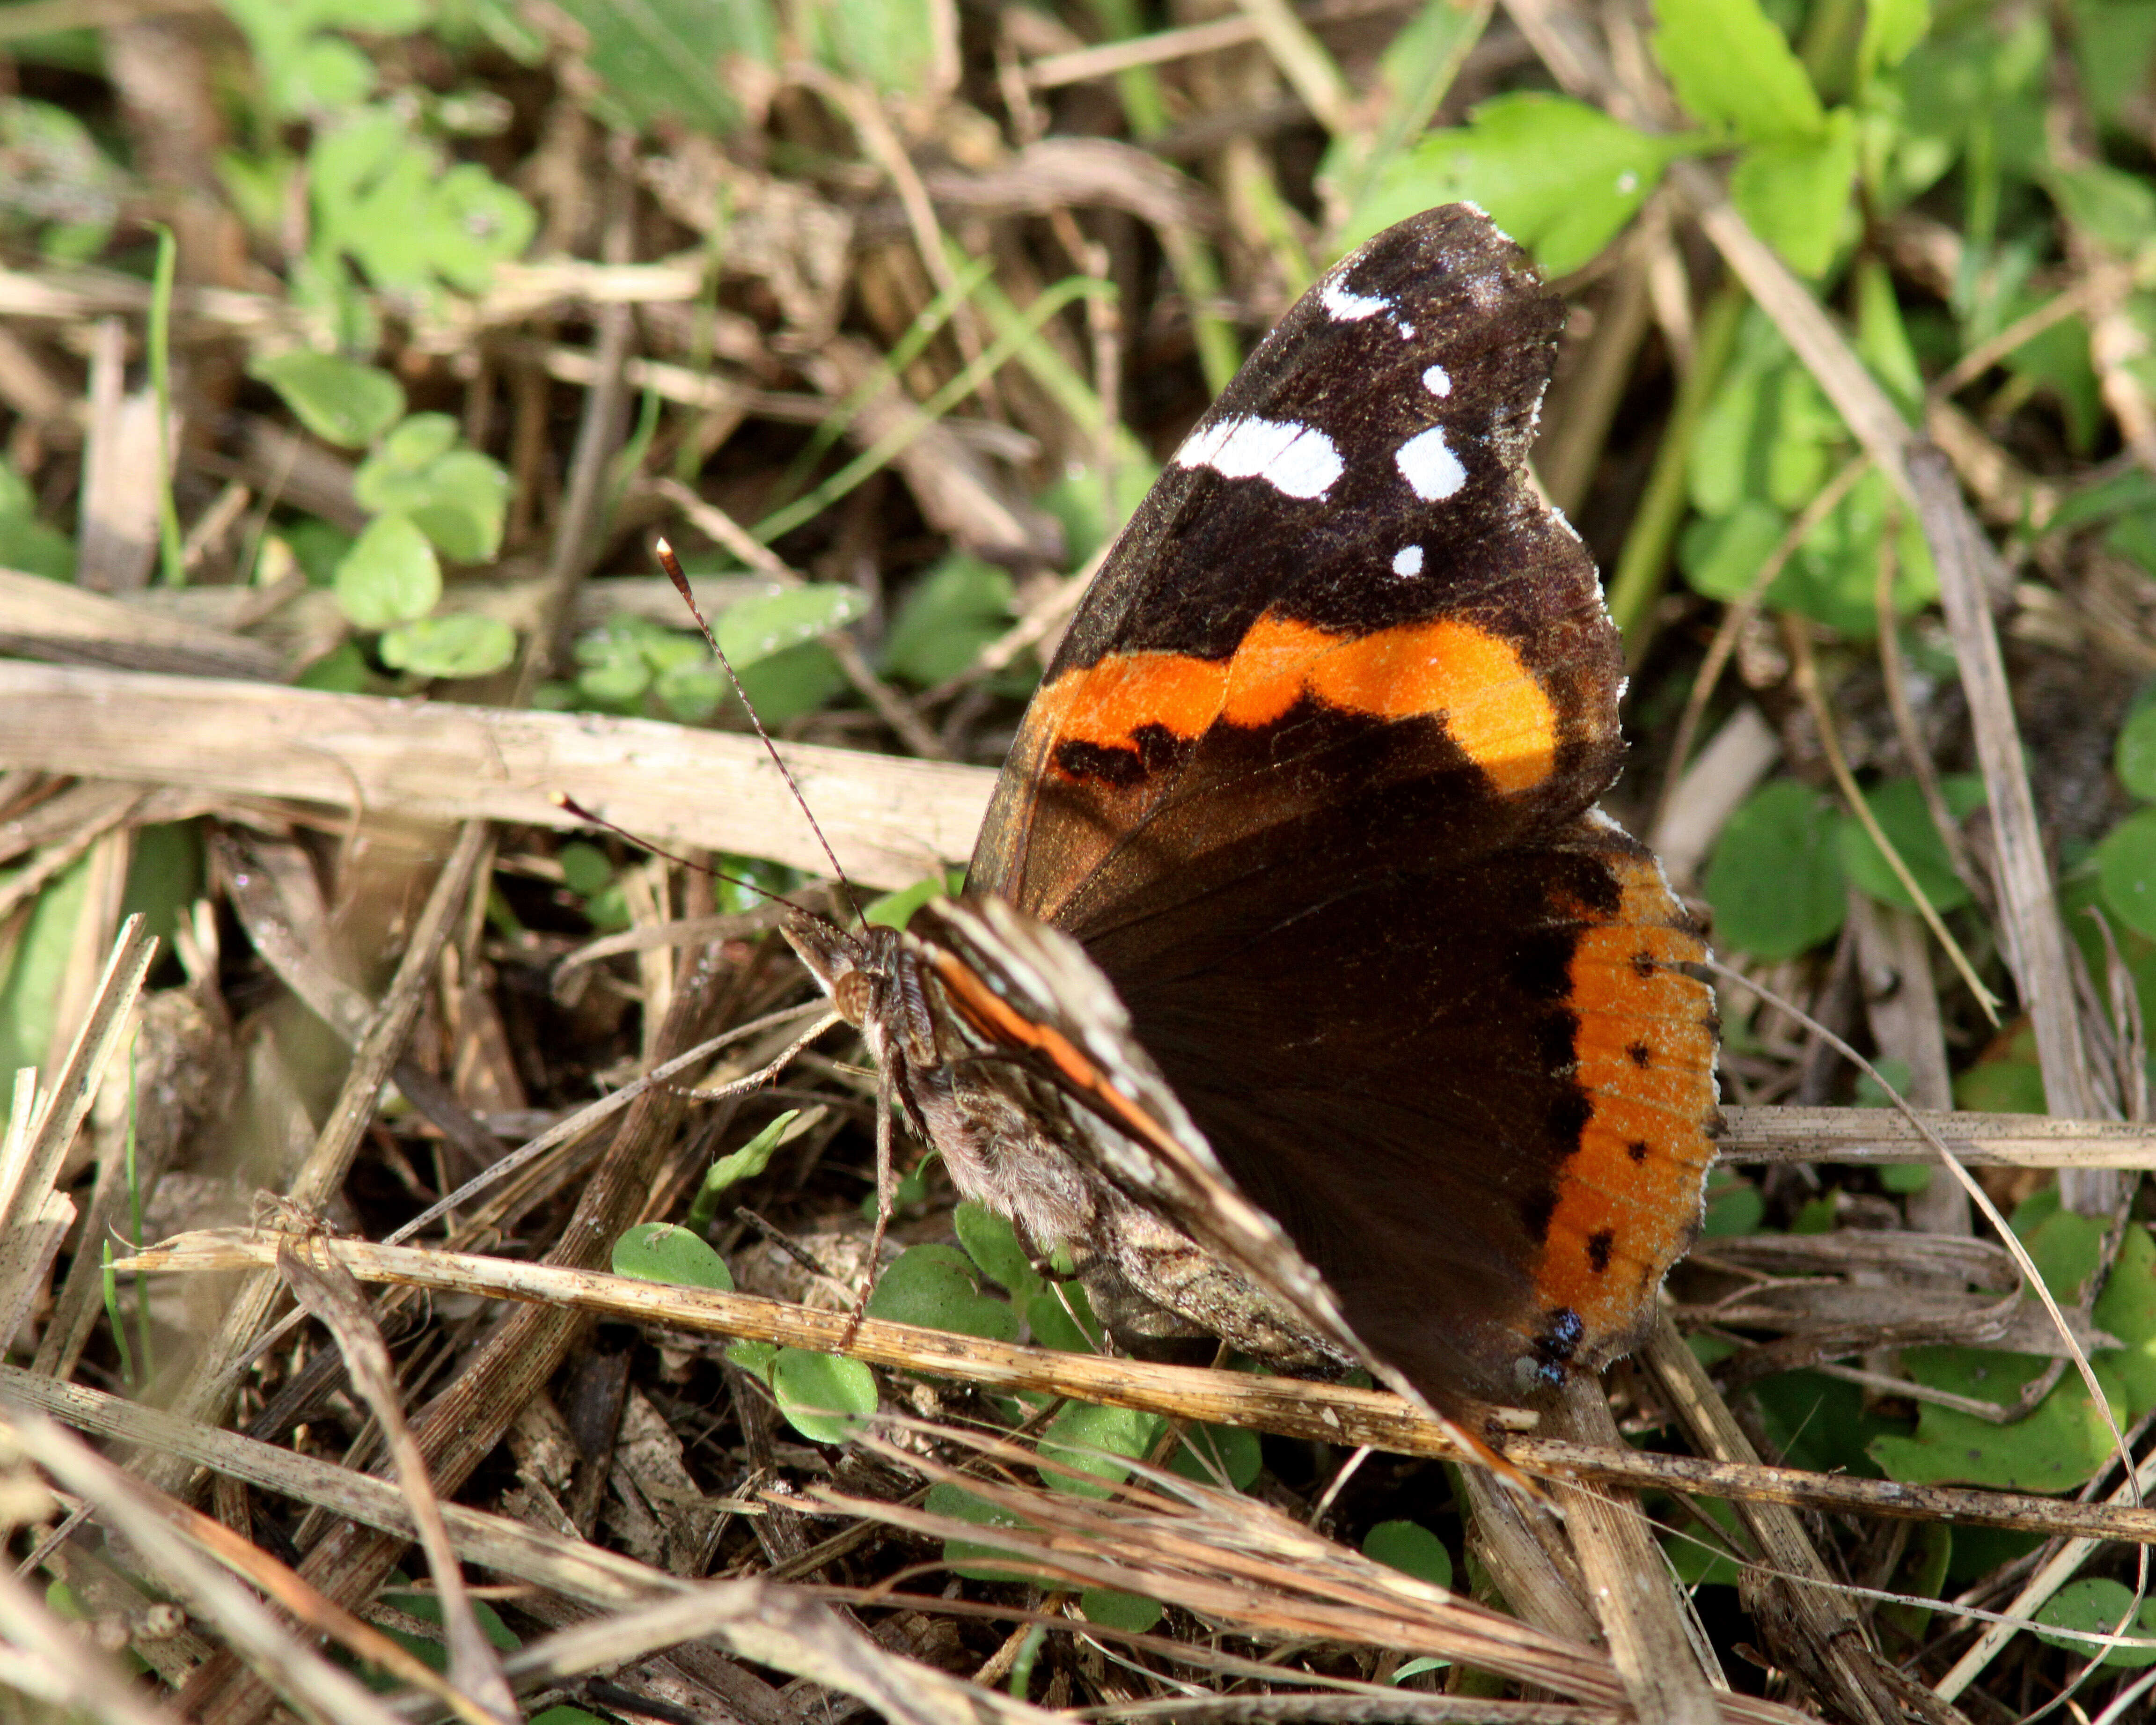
{"x":1628,"y":1198}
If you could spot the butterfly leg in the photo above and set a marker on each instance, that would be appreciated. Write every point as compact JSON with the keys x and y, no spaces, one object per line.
{"x":886,"y":1199}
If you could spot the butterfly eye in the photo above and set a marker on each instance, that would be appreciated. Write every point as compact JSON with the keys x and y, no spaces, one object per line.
{"x":850,"y":992}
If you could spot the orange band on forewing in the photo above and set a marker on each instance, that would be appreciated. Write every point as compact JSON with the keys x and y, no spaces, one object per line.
{"x":994,"y":1017}
{"x":1491,"y":705}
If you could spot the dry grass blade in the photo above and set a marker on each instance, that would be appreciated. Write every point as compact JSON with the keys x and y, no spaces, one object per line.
{"x":32,"y":1215}
{"x":891,"y":820}
{"x":777,"y":1626}
{"x":321,"y":1174}
{"x":1327,"y":1413}
{"x":1217,"y":1553}
{"x":331,"y":1295}
{"x":132,"y":1511}
{"x":1878,"y":1135}
{"x":46,"y":1664}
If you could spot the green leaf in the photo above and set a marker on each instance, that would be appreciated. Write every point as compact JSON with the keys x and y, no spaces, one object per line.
{"x":2116,"y":45}
{"x":2002,"y":1087}
{"x":1131,"y":1612}
{"x":890,"y":44}
{"x":30,"y":994}
{"x":824,"y":1397}
{"x":2108,"y":205}
{"x":956,"y":609}
{"x":1721,"y":557}
{"x":409,"y":447}
{"x":382,"y":196}
{"x":660,"y":1251}
{"x":1215,"y":1454}
{"x":759,"y":1359}
{"x":2054,"y":1448}
{"x":1731,"y":66}
{"x":459,"y":498}
{"x":1881,"y":336}
{"x":1902,"y":814}
{"x":460,"y":646}
{"x":389,"y":576}
{"x":1795,"y":191}
{"x":661,"y":59}
{"x":2126,"y":872}
{"x":476,"y":222}
{"x":2127,"y":1309}
{"x":758,"y":629}
{"x":585,"y":868}
{"x":1892,"y":27}
{"x":787,"y":684}
{"x":1559,"y":176}
{"x":937,"y":1286}
{"x":1774,"y":880}
{"x":1098,"y":1441}
{"x":894,"y":910}
{"x":964,"y":1557}
{"x":2096,"y":1605}
{"x":1411,"y":1549}
{"x":751,"y":1159}
{"x":339,"y":400}
{"x":1735,"y":1208}
{"x":992,"y":1243}
{"x":1051,"y":1319}
{"x":1834,"y":577}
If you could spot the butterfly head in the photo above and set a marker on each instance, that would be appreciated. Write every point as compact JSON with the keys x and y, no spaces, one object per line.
{"x":855,"y":967}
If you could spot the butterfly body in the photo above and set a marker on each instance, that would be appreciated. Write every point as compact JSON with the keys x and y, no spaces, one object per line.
{"x":1300,"y":989}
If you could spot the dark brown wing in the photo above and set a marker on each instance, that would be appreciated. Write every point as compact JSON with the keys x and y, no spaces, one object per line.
{"x":1312,"y":781}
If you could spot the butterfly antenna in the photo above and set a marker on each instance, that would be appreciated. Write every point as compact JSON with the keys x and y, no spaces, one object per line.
{"x":569,"y":805}
{"x":672,"y":565}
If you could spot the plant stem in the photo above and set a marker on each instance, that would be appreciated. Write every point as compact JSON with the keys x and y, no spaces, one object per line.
{"x":1643,"y":566}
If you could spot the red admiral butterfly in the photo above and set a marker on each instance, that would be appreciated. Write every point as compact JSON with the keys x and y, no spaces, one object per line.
{"x":1299,"y":988}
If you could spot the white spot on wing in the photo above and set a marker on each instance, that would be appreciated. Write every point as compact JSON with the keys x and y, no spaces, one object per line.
{"x":1299,"y":460}
{"x":1407,"y":560}
{"x":1344,"y":303}
{"x":1426,"y":462}
{"x":1437,"y":380}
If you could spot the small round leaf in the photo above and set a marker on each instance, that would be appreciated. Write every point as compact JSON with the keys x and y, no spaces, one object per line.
{"x":339,"y":400}
{"x":2126,"y":872}
{"x":2096,"y":1606}
{"x":824,"y":1397}
{"x":389,"y":576}
{"x":1774,"y":881}
{"x":2135,"y":760}
{"x":938,"y":1287}
{"x":1131,"y":1612}
{"x":1096,"y":1441}
{"x":463,"y":646}
{"x":965,"y":1556}
{"x":660,"y":1251}
{"x":1411,"y":1549}
{"x":1218,"y":1453}
{"x":757,"y":629}
{"x":1903,"y":815}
